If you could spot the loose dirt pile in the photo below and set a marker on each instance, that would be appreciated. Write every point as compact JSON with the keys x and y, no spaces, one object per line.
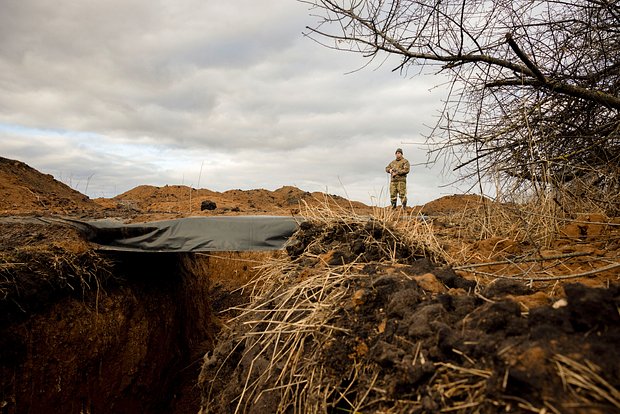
{"x":401,"y":334}
{"x":24,"y":190}
{"x":147,"y":203}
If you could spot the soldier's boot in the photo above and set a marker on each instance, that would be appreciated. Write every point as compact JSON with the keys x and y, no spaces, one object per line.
{"x":393,"y":204}
{"x":404,"y":205}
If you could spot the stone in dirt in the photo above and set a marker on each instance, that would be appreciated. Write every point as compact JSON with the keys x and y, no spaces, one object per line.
{"x":208,"y":205}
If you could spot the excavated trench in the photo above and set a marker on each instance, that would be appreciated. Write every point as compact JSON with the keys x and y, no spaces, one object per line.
{"x":92,"y":332}
{"x":126,"y":336}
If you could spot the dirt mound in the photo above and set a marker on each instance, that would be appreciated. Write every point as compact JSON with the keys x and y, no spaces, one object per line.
{"x":147,"y":203}
{"x":166,"y":199}
{"x":453,"y":203}
{"x":343,"y":241}
{"x":24,"y":190}
{"x":415,"y":337}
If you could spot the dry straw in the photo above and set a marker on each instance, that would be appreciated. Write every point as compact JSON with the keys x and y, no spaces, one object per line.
{"x":532,"y":227}
{"x":282,"y":339}
{"x":408,"y":226}
{"x":50,"y":270}
{"x":584,"y":382}
{"x":293,"y":319}
{"x":284,"y":329}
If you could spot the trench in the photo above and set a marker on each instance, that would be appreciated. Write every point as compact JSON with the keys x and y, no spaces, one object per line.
{"x":132,"y":344}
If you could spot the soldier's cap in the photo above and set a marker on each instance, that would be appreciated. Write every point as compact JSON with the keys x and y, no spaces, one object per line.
{"x":399,"y":150}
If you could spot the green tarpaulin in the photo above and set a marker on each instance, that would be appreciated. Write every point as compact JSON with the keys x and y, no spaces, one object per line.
{"x":193,"y":234}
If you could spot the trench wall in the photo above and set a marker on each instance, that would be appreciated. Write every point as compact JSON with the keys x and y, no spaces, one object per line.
{"x":134,"y":344}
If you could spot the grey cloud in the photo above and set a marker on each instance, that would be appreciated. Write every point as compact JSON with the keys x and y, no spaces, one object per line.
{"x":159,"y":90}
{"x":352,"y":169}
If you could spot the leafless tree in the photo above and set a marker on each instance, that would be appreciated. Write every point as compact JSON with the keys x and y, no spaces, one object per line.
{"x":534,"y":84}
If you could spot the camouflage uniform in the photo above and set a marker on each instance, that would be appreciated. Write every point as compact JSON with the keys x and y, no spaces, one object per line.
{"x":398,"y":183}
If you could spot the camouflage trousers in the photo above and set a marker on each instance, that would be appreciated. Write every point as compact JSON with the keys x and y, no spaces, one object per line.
{"x":398,"y":188}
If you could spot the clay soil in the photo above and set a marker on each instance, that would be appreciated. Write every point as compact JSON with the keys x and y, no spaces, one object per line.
{"x":475,"y":320}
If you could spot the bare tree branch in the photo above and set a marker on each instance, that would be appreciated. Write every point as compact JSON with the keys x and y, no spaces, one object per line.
{"x":535,"y":84}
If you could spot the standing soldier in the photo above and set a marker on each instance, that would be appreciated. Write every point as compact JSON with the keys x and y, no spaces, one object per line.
{"x":398,"y":170}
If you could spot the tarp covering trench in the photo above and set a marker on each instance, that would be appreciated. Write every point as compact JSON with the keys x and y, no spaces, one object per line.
{"x":194,"y":234}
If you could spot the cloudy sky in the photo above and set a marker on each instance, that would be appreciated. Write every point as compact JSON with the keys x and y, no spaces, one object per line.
{"x":109,"y":95}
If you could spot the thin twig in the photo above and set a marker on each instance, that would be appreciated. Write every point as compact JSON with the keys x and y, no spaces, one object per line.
{"x":532,"y":259}
{"x":542,"y":279}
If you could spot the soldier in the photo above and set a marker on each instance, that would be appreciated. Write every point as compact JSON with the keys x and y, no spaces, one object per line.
{"x":398,"y":170}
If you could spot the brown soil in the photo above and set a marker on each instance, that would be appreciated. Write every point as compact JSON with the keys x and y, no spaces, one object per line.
{"x":414,"y":336}
{"x":147,"y":203}
{"x":457,"y":203}
{"x":84,"y":331}
{"x":24,"y":190}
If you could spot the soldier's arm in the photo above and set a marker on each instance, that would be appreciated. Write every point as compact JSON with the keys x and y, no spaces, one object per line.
{"x":406,"y":168}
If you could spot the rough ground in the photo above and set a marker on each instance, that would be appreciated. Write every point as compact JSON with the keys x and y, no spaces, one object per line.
{"x":412,"y":336}
{"x":407,"y":333}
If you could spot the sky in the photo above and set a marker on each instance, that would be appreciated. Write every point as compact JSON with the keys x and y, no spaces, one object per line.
{"x":109,"y":95}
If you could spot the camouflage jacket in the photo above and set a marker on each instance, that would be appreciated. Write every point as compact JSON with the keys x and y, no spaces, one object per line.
{"x":401,"y":169}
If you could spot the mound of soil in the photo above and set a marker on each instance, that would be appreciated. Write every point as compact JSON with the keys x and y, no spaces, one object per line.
{"x":148,"y":203}
{"x":412,"y":337}
{"x":24,"y":190}
{"x":453,"y":203}
{"x":340,"y":242}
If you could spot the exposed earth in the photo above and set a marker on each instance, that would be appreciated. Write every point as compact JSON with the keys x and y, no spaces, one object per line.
{"x":446,"y":307}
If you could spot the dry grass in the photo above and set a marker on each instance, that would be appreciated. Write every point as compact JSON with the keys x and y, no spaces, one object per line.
{"x":460,"y":388}
{"x":285,"y":328}
{"x":536,"y":221}
{"x":25,"y":271}
{"x":524,"y":241}
{"x":584,"y":382}
{"x":295,"y":317}
{"x":407,"y":226}
{"x":289,"y":326}
{"x":291,"y":320}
